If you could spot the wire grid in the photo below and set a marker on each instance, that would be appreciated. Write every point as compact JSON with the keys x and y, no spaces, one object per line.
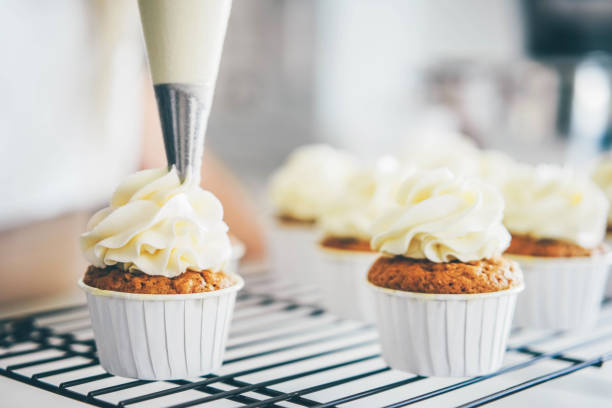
{"x":285,"y":351}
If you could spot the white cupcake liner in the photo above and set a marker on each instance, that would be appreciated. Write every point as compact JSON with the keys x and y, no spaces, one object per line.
{"x":161,"y":337}
{"x":342,"y":279}
{"x":238,"y":250}
{"x":291,"y":250}
{"x":561,"y":293}
{"x":444,"y":335}
{"x":608,"y":290}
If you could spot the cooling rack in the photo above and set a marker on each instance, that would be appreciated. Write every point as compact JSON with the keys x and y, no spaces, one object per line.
{"x":285,"y":351}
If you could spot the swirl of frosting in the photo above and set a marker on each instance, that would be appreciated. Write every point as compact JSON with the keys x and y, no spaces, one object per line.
{"x":369,"y":192}
{"x":443,"y":217}
{"x":602,"y":176}
{"x":310,"y":182}
{"x":550,"y":202}
{"x":434,"y":149}
{"x":159,"y":226}
{"x":494,"y":167}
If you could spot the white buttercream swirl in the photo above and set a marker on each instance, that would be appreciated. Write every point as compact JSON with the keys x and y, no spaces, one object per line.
{"x":602,"y":175}
{"x":550,"y":202}
{"x":494,"y":167}
{"x":442,"y":149}
{"x":159,"y":226}
{"x":443,"y":217}
{"x":311,"y":181}
{"x":369,"y":192}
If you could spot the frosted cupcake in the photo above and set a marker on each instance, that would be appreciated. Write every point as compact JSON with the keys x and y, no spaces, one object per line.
{"x":602,"y":175}
{"x":238,"y":251}
{"x":436,"y":149}
{"x":159,"y":299}
{"x":557,"y":218}
{"x":305,"y":187}
{"x":344,"y":248}
{"x":494,"y":167}
{"x":444,"y":295}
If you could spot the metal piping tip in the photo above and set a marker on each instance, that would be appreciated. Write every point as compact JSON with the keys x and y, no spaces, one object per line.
{"x":183,"y":112}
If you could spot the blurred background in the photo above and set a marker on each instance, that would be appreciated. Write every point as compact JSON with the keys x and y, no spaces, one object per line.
{"x":531,"y":78}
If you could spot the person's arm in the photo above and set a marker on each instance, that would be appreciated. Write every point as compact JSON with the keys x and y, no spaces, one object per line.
{"x":41,"y":258}
{"x":240,"y":212}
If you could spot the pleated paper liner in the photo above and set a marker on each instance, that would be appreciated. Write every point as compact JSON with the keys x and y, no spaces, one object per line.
{"x":561,"y":293}
{"x":444,"y":335}
{"x":161,"y":337}
{"x":342,"y":279}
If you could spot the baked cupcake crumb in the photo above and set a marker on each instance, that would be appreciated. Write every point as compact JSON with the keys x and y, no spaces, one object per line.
{"x":116,"y":279}
{"x":529,"y":246}
{"x":346,"y":243}
{"x":290,"y":220}
{"x":425,"y":276}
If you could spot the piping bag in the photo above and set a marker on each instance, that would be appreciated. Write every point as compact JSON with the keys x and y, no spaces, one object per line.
{"x":184,"y":41}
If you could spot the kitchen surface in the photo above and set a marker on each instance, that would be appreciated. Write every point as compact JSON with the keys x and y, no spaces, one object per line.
{"x":228,"y":203}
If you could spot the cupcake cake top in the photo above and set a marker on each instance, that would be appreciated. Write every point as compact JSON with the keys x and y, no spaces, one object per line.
{"x":442,"y":217}
{"x":158,"y":225}
{"x":369,"y":192}
{"x":310,"y":181}
{"x":602,"y":176}
{"x":551,"y":202}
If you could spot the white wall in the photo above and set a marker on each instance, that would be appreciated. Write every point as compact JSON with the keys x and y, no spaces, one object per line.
{"x":369,"y":53}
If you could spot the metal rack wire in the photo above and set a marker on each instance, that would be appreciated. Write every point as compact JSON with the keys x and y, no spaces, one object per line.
{"x":285,"y":351}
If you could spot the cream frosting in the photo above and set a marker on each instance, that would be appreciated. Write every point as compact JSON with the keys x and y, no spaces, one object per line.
{"x":159,"y":226}
{"x":602,"y":176}
{"x":551,"y":202}
{"x":442,"y":149}
{"x":443,"y":217}
{"x":311,"y":181}
{"x":494,"y":167}
{"x":433,"y":149}
{"x":369,"y":192}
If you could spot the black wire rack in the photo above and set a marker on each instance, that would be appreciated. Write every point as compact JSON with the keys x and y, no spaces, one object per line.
{"x":285,"y":351}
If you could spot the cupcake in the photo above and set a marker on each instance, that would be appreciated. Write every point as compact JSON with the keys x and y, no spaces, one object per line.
{"x":305,"y":187}
{"x":435,"y":148}
{"x":557,"y":219}
{"x":344,"y":247}
{"x":238,"y":251}
{"x":444,"y":295}
{"x":494,"y":167}
{"x":602,"y":176}
{"x":159,"y":298}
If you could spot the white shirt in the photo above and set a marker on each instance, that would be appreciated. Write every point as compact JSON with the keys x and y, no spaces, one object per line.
{"x":70,"y":104}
